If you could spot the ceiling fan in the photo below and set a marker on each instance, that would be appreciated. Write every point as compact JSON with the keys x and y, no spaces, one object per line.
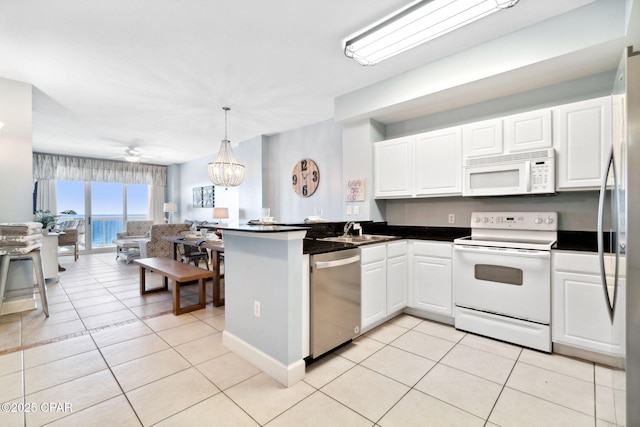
{"x":132,"y":154}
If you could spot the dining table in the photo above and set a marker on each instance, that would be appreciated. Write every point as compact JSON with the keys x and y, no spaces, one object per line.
{"x":217,"y":251}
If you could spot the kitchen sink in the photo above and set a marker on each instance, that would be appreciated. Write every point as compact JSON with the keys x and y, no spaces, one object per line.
{"x":359,"y":240}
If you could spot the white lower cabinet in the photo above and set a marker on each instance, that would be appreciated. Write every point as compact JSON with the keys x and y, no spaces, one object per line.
{"x":580,"y":317}
{"x":383,"y":281}
{"x":431,"y":277}
{"x":373,"y":282}
{"x":397,"y":276}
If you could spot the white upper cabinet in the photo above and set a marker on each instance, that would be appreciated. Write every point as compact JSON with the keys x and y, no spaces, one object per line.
{"x":438,"y":162}
{"x":582,"y":135}
{"x":520,"y":132}
{"x":428,"y":164}
{"x":431,"y":163}
{"x":528,"y":131}
{"x":482,"y":138}
{"x":393,"y":168}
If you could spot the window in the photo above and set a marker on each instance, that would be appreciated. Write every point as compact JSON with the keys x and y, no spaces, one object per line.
{"x":106,"y":206}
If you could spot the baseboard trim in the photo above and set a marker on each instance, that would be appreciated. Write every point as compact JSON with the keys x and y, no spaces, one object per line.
{"x":287,"y":375}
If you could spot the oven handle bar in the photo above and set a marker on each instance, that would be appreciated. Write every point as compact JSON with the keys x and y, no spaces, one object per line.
{"x":529,"y":253}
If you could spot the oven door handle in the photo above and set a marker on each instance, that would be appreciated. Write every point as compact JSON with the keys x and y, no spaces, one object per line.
{"x":529,"y":253}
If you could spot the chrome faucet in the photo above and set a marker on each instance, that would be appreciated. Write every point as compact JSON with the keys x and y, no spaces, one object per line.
{"x":347,"y":227}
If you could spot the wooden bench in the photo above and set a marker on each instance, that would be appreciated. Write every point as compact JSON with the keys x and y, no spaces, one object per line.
{"x":178,"y":272}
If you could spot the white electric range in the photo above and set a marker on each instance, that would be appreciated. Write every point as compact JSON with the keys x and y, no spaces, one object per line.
{"x":502,"y":277}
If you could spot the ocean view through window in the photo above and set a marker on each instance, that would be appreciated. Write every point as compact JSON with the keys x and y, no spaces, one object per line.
{"x":106,"y":206}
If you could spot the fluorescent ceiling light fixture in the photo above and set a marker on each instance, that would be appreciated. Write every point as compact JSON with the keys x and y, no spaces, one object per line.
{"x":416,"y":24}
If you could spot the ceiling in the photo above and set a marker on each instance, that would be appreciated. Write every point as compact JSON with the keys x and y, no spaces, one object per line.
{"x":155,"y":74}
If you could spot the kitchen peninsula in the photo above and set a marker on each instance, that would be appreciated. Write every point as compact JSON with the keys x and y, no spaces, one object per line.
{"x":267,"y":304}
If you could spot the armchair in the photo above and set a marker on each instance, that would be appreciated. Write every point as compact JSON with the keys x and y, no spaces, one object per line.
{"x":155,"y":246}
{"x":136,"y":230}
{"x":69,"y":238}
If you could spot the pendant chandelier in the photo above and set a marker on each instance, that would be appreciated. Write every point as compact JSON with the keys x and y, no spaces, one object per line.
{"x":225,"y":170}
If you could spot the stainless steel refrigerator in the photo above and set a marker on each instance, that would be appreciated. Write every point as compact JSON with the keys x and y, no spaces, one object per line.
{"x":620,"y":208}
{"x":632,"y":239}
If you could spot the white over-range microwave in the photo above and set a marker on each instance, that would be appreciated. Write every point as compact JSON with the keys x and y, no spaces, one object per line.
{"x":531,"y":172}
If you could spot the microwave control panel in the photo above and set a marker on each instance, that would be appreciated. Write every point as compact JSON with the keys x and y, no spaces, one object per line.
{"x":543,"y":176}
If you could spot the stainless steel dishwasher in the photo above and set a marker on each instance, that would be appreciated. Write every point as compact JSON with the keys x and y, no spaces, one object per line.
{"x":335,"y":299}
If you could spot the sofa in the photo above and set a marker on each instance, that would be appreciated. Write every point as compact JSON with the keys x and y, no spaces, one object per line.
{"x":136,"y":230}
{"x":155,"y":246}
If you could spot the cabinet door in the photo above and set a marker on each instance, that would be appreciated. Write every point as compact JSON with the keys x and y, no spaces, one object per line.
{"x":438,"y":162}
{"x":528,"y":131}
{"x":393,"y":168}
{"x":374,"y":292}
{"x":397,"y":279}
{"x":432,"y":285}
{"x":582,"y":141}
{"x":482,"y":138}
{"x":580,"y":317}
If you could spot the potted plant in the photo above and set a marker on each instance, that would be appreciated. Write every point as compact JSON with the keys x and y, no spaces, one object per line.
{"x":46,"y":218}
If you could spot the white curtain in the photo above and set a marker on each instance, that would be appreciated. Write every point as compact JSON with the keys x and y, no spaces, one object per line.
{"x":51,"y":166}
{"x":156,"y":201}
{"x":46,"y":199}
{"x":47,"y":168}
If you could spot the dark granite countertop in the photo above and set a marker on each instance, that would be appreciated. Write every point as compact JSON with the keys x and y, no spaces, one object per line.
{"x":567,"y":240}
{"x":584,"y":241}
{"x":314,"y":247}
{"x":264,"y":228}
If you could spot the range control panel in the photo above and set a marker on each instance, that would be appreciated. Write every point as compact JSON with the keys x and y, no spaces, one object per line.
{"x":543,"y":221}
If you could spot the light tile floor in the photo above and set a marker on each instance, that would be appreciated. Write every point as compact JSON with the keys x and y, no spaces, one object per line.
{"x":108,"y":356}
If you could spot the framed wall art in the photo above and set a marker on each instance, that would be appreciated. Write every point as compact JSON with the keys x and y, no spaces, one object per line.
{"x":204,"y":197}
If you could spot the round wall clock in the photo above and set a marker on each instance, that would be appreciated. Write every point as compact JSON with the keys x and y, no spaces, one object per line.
{"x":305,"y":177}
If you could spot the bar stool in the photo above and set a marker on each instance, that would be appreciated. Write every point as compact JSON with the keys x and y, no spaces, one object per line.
{"x":35,"y":256}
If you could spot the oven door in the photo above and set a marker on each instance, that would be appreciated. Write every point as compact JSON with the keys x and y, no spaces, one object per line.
{"x":510,"y":282}
{"x":497,"y":179}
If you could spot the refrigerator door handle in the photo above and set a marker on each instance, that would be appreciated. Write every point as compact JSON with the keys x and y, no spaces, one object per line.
{"x":611,"y":167}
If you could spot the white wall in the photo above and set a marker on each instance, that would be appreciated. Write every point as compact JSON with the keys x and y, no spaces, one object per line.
{"x":16,"y":158}
{"x":251,"y":194}
{"x":358,"y":164}
{"x":321,"y":142}
{"x":244,"y":202}
{"x":269,"y":162}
